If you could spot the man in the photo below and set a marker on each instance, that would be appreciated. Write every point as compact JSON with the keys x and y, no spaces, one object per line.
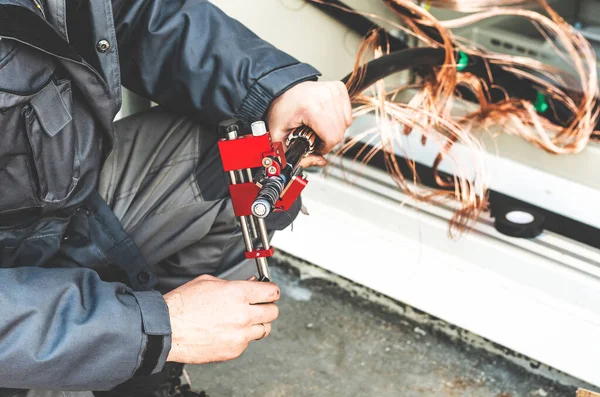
{"x":97,"y":220}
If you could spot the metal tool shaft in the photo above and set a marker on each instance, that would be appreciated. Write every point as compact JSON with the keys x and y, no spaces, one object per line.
{"x":264,"y":236}
{"x":243,"y":178}
{"x":263,"y":269}
{"x":261,"y":263}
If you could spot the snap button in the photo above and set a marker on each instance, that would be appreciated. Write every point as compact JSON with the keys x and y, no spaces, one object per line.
{"x":143,"y":277}
{"x":103,"y":46}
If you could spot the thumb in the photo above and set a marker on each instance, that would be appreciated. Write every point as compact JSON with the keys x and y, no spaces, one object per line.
{"x":278,"y":134}
{"x":313,"y":161}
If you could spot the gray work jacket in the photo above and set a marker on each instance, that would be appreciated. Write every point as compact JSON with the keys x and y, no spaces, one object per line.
{"x":62,"y":325}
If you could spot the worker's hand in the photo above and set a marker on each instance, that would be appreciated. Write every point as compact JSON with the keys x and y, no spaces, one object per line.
{"x":215,"y":320}
{"x":323,"y":106}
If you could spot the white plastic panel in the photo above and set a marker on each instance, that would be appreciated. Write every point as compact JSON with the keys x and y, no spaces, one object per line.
{"x":534,"y":297}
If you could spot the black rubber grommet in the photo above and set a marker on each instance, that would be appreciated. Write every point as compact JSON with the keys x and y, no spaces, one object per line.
{"x":530,"y":226}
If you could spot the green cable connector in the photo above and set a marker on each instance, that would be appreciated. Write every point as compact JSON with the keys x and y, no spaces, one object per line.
{"x":463,"y":61}
{"x":541,"y":103}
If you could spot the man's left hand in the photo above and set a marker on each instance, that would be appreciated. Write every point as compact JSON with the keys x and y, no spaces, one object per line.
{"x":323,"y":106}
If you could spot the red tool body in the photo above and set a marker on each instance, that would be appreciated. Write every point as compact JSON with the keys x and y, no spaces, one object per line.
{"x":242,"y":156}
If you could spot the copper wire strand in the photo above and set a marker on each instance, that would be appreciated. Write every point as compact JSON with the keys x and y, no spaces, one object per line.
{"x":571,"y":47}
{"x":570,"y":139}
{"x":439,"y":93}
{"x":419,"y":116}
{"x":429,"y":111}
{"x":577,"y":52}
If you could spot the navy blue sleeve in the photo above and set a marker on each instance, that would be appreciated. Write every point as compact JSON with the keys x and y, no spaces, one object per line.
{"x":65,"y":329}
{"x":189,"y":56}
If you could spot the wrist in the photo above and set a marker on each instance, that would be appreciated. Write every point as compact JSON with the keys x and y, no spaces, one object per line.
{"x":175,"y":306}
{"x":262,"y":94}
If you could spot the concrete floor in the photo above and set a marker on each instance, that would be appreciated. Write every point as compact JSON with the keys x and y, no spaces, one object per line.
{"x":330,"y":342}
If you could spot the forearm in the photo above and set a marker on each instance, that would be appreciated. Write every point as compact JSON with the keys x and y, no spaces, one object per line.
{"x":74,"y":331}
{"x":191,"y":57}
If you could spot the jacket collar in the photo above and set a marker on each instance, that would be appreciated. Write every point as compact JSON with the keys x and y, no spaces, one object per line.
{"x":21,"y":21}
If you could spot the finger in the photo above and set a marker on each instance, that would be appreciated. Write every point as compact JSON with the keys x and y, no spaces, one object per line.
{"x":313,"y":161}
{"x":333,"y":135}
{"x":261,"y":292}
{"x":337,"y":106}
{"x":264,"y":313}
{"x":279,"y":135}
{"x":258,"y":331}
{"x":347,"y":106}
{"x":322,"y":121}
{"x":338,"y":129}
{"x":253,"y":278}
{"x":345,"y":109}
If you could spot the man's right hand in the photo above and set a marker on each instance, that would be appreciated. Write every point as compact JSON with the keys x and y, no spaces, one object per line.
{"x":215,"y":320}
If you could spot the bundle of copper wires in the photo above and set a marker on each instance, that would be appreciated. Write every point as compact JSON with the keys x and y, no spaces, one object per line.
{"x":518,"y":116}
{"x":433,"y":121}
{"x":429,"y":112}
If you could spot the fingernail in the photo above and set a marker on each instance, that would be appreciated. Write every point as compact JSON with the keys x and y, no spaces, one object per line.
{"x":253,"y":278}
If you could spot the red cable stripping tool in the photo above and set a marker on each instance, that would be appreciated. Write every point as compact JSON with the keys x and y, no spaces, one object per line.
{"x":262,"y":180}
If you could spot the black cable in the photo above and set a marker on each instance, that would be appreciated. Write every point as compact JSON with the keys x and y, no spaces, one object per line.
{"x":395,"y":62}
{"x":374,"y":71}
{"x":514,"y":86}
{"x":296,"y":152}
{"x":414,"y":58}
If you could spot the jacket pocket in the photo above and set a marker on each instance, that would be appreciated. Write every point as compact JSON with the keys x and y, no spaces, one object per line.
{"x":16,"y":184}
{"x":53,"y":141}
